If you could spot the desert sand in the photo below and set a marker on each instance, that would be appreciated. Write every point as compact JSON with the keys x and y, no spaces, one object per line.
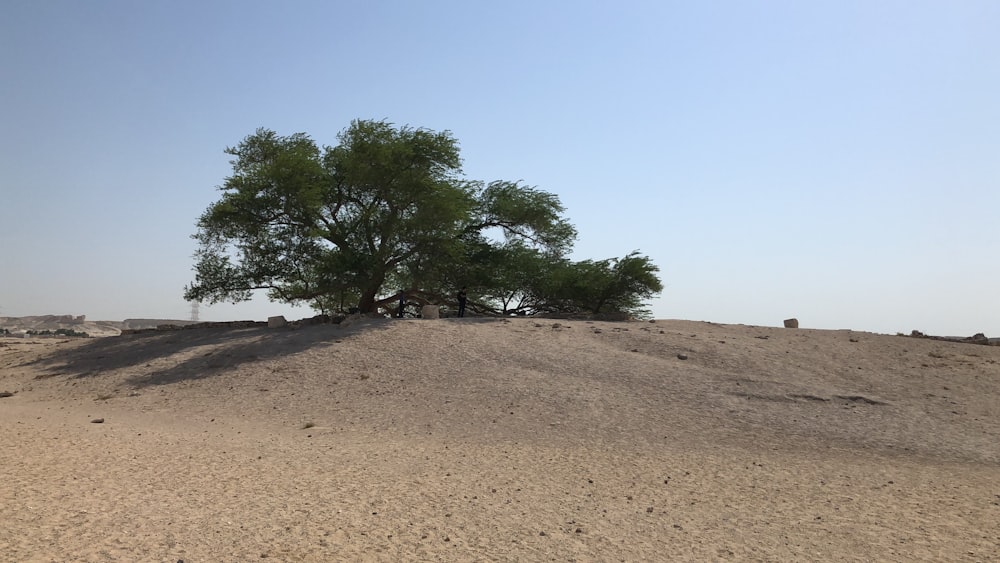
{"x":500,"y":440}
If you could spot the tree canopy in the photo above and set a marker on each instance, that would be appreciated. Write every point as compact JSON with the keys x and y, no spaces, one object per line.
{"x":388,"y":209}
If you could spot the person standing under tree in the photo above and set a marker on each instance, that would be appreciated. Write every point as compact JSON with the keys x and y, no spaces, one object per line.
{"x":402,"y":304}
{"x":461,"y":301}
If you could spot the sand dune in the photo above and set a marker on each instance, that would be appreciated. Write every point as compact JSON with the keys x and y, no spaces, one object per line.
{"x":507,"y":440}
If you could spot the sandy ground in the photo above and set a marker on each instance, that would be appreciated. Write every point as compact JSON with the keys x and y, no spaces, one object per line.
{"x":502,"y":440}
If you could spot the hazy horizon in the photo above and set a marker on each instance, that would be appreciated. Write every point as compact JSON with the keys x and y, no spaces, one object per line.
{"x":297,"y":313}
{"x":829,"y":161}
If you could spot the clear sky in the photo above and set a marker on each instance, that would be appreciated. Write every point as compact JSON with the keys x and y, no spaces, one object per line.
{"x":838,"y":161}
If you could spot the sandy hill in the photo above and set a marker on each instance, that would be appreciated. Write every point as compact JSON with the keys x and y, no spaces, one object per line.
{"x":510,"y":440}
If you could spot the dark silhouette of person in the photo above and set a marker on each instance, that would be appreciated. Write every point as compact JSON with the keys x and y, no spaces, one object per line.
{"x":461,"y":301}
{"x":402,"y":304}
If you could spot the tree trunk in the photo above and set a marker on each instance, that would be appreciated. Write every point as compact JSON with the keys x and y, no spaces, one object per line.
{"x":367,"y":302}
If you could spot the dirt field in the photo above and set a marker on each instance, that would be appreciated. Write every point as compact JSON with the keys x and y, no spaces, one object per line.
{"x":504,"y":440}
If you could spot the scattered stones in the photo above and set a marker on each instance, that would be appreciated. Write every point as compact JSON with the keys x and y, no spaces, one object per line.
{"x":316,"y":320}
{"x":6,"y":394}
{"x":97,"y":421}
{"x":276,"y":322}
{"x":791,"y":323}
{"x":682,"y":356}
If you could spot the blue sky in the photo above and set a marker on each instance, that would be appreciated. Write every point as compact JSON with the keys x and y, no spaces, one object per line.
{"x":831,"y":161}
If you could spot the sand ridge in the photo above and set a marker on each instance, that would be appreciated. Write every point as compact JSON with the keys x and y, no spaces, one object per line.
{"x":500,"y":439}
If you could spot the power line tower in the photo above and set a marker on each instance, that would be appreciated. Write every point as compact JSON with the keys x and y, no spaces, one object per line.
{"x":195,"y":309}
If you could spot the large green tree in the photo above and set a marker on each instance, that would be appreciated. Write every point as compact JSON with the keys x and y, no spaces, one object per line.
{"x":515,"y":278}
{"x":605,"y":286}
{"x":387,"y":208}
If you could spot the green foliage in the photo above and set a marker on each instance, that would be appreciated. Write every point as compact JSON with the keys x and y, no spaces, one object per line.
{"x":387,"y":209}
{"x":511,"y":278}
{"x":612,"y":285}
{"x":521,"y":280}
